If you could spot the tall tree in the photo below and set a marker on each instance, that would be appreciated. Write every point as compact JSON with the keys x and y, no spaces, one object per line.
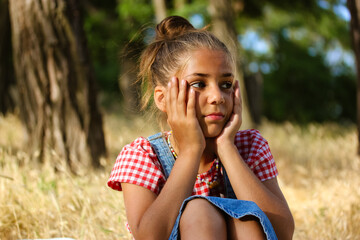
{"x":6,"y":73}
{"x":56,"y":84}
{"x":354,"y":8}
{"x":223,"y":26}
{"x":160,"y":9}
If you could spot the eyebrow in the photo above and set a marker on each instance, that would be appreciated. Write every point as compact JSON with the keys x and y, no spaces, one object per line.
{"x":207,"y":75}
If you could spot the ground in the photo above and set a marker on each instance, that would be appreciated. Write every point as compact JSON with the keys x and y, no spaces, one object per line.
{"x":318,"y":173}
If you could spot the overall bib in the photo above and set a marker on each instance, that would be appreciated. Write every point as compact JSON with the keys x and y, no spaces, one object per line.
{"x":230,"y":205}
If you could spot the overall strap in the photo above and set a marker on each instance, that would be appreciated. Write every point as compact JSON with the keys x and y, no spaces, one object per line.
{"x":161,"y":148}
{"x":167,"y":160}
{"x":229,"y":191}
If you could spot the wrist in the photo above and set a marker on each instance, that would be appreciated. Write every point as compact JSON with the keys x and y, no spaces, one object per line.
{"x":226,"y":148}
{"x":228,"y":140}
{"x":192,"y":151}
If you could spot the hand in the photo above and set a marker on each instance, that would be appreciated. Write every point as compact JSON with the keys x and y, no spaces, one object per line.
{"x":232,"y":126}
{"x":181,"y":117}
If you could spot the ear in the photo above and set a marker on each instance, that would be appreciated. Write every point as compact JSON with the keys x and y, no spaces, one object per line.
{"x":159,"y":98}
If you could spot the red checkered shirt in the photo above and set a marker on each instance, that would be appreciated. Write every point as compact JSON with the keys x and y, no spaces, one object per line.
{"x":138,"y":164}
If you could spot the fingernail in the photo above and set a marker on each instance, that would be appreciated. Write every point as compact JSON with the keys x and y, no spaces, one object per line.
{"x":183,"y":82}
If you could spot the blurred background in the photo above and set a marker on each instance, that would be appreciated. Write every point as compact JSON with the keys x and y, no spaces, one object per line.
{"x":69,"y":101}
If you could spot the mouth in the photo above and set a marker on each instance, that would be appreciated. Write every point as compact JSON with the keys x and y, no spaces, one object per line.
{"x":216,"y":116}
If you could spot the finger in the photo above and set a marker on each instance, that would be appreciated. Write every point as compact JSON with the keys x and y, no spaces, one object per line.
{"x":190,"y":109}
{"x":168,"y":98}
{"x":173,"y":94}
{"x":237,"y":98}
{"x":237,"y":104}
{"x":181,"y":102}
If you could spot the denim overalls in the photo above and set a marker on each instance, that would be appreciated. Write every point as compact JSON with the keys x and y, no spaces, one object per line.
{"x":230,"y":205}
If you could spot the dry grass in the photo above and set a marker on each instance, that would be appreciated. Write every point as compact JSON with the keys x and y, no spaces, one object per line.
{"x":319,"y":174}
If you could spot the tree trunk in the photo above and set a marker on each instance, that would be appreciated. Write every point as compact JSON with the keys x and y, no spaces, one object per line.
{"x":94,"y":128}
{"x":6,"y":68}
{"x":354,"y":8}
{"x":58,"y":102}
{"x":223,"y":26}
{"x":160,"y":10}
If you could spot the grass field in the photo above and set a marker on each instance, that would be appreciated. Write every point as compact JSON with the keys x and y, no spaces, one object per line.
{"x":319,"y":175}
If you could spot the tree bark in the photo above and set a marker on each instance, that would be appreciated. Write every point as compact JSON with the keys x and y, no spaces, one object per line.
{"x":55,"y":80}
{"x":354,"y":8}
{"x":7,"y":81}
{"x":223,"y":26}
{"x":94,"y":129}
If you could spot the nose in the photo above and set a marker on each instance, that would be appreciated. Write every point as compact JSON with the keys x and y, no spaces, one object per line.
{"x":215,"y":95}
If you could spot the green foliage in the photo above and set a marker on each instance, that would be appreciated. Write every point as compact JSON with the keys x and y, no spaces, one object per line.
{"x":302,"y":88}
{"x":103,"y":34}
{"x":298,"y":85}
{"x":110,"y":26}
{"x":134,"y":16}
{"x":198,"y":7}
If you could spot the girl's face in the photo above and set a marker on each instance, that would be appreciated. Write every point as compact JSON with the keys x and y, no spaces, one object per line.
{"x":211,"y":74}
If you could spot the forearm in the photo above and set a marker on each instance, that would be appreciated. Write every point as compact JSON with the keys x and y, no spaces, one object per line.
{"x":158,"y":220}
{"x":248,"y":187}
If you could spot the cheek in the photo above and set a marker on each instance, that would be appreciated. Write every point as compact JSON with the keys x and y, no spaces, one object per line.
{"x":230,"y":101}
{"x":198,"y":104}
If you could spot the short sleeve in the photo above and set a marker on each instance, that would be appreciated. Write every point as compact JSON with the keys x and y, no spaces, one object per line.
{"x":137,"y":164}
{"x":255,"y":151}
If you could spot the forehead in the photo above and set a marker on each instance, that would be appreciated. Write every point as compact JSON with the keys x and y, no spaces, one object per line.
{"x":209,"y":62}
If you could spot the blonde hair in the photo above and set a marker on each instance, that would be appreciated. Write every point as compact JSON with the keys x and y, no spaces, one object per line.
{"x":165,"y":56}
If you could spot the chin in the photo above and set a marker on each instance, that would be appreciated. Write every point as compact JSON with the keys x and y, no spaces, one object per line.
{"x":212,"y":133}
{"x":212,"y":130}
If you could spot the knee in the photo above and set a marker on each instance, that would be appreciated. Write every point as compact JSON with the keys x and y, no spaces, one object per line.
{"x":202,"y":219}
{"x":200,"y":212}
{"x":247,"y":227}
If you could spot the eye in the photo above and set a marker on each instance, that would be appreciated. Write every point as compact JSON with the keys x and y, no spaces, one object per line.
{"x":226,"y":85}
{"x":197,"y":84}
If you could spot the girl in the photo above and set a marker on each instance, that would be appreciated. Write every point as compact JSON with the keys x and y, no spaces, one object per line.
{"x":223,"y":181}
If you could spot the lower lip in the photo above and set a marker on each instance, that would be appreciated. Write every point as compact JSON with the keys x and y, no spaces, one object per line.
{"x":215,"y":117}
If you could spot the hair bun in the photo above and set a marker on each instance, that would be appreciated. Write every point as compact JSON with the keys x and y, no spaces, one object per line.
{"x":172,"y":27}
